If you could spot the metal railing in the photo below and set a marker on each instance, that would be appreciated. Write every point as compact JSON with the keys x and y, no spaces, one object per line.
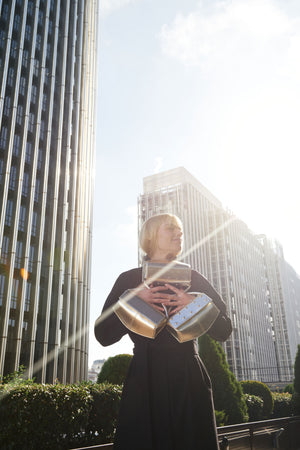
{"x":283,"y":433}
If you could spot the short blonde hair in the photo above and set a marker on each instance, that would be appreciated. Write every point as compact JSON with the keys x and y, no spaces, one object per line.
{"x":148,"y":234}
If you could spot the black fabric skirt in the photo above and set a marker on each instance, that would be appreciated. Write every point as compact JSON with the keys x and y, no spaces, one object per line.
{"x":167,"y":400}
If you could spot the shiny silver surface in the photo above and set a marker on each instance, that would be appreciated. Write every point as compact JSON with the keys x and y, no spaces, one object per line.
{"x":176,"y":273}
{"x":138,"y":316}
{"x":194,"y":319}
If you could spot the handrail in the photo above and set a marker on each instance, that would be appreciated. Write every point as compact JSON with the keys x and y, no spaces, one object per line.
{"x":229,"y":433}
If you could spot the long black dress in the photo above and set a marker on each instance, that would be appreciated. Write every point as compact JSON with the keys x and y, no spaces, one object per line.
{"x":167,"y":398}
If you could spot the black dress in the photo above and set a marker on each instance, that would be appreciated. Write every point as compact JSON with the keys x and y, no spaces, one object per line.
{"x":167,"y":398}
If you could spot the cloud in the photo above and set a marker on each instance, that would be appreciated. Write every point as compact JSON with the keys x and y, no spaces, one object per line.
{"x":230,"y":30}
{"x":109,"y":6}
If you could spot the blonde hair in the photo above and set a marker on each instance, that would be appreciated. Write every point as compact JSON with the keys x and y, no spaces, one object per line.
{"x":148,"y":234}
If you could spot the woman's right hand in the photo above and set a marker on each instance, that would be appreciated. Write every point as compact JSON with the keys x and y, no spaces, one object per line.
{"x":154,"y":296}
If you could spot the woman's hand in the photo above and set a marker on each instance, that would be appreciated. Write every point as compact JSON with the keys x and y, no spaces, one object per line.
{"x":155,"y":297}
{"x":178,"y":300}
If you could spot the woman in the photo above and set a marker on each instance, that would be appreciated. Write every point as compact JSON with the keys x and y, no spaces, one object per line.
{"x":167,"y":399}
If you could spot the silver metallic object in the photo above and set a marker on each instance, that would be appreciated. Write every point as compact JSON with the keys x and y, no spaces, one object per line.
{"x":176,"y":273}
{"x":194,"y":319}
{"x":138,"y":316}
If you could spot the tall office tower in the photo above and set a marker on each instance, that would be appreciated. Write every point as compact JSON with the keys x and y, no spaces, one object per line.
{"x":222,"y":248}
{"x":47,"y":100}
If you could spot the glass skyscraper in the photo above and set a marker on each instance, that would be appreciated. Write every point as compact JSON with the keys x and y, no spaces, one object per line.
{"x":47,"y":102}
{"x":249,"y":271}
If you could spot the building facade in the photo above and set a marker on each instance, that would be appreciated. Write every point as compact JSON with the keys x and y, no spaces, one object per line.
{"x":47,"y":103}
{"x":238,"y":264}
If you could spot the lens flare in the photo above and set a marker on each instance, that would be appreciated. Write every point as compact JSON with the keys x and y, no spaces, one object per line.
{"x":24,"y":273}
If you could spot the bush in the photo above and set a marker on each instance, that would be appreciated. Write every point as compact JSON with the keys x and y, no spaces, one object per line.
{"x":296,"y":403}
{"x":282,"y":404}
{"x":57,"y":416}
{"x":227,"y":392}
{"x":221,"y":418}
{"x":115,"y":369}
{"x":289,"y":388}
{"x":261,"y":390}
{"x":255,"y":406}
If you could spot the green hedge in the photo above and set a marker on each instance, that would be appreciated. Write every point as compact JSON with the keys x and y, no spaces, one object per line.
{"x":57,"y":417}
{"x":255,"y":407}
{"x":261,"y":390}
{"x":115,"y":369}
{"x":282,"y":404}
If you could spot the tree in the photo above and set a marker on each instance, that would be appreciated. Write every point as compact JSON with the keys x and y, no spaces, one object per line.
{"x":114,"y":370}
{"x":227,"y":392}
{"x":296,"y":394}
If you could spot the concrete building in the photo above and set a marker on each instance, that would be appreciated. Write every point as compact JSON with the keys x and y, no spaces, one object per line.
{"x":47,"y":100}
{"x":222,"y":248}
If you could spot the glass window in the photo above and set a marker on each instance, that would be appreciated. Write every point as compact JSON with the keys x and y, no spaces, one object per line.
{"x":22,"y":217}
{"x":25,"y":58}
{"x":22,"y":88}
{"x":16,"y":146}
{"x":41,"y":16}
{"x":10,"y":77}
{"x":28,"y":152}
{"x":2,"y":287}
{"x":25,"y":184}
{"x":38,"y":42}
{"x":33,"y":94}
{"x":12,"y":178}
{"x":31,"y":258}
{"x":4,"y":252}
{"x":31,"y":122}
{"x":3,"y":137}
{"x":40,"y":159}
{"x":2,"y":38}
{"x":17,"y":22}
{"x":13,"y":48}
{"x":34,"y":223}
{"x":18,"y":254}
{"x":9,"y":211}
{"x":44,"y":104}
{"x":30,"y":8}
{"x":28,"y":32}
{"x":37,"y":190}
{"x":1,"y":169}
{"x":19,"y":118}
{"x":42,"y":130}
{"x":36,"y":67}
{"x":14,"y":293}
{"x":27,"y":296}
{"x":6,"y":109}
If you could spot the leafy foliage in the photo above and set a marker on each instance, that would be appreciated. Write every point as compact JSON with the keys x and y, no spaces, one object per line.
{"x":115,"y":369}
{"x":282,"y":404}
{"x":227,"y":392}
{"x":289,"y":388}
{"x":297,"y":371}
{"x":255,"y":406}
{"x":57,"y":416}
{"x":261,"y":390}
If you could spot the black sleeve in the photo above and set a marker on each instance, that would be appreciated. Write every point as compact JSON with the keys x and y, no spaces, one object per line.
{"x":108,"y":327}
{"x":221,"y":328}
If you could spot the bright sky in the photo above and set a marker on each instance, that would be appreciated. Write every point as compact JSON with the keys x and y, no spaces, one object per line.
{"x":209,"y":85}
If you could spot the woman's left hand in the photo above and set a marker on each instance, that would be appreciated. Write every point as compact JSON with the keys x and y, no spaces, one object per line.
{"x":178,"y":300}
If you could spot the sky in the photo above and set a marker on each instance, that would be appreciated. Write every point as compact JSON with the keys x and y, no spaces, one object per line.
{"x":213,"y":86}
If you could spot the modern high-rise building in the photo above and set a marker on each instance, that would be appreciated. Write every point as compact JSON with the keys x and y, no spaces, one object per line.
{"x":243,"y":267}
{"x":47,"y":103}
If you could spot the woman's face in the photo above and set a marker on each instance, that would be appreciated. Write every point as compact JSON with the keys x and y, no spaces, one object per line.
{"x":169,"y":239}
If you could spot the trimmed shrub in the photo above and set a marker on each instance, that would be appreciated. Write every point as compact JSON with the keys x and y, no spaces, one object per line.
{"x":296,"y":394}
{"x":255,"y":406}
{"x":227,"y":392}
{"x":289,"y":388}
{"x":282,"y":404}
{"x":221,"y":418}
{"x":115,"y":369}
{"x":57,"y":416}
{"x":261,"y":390}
